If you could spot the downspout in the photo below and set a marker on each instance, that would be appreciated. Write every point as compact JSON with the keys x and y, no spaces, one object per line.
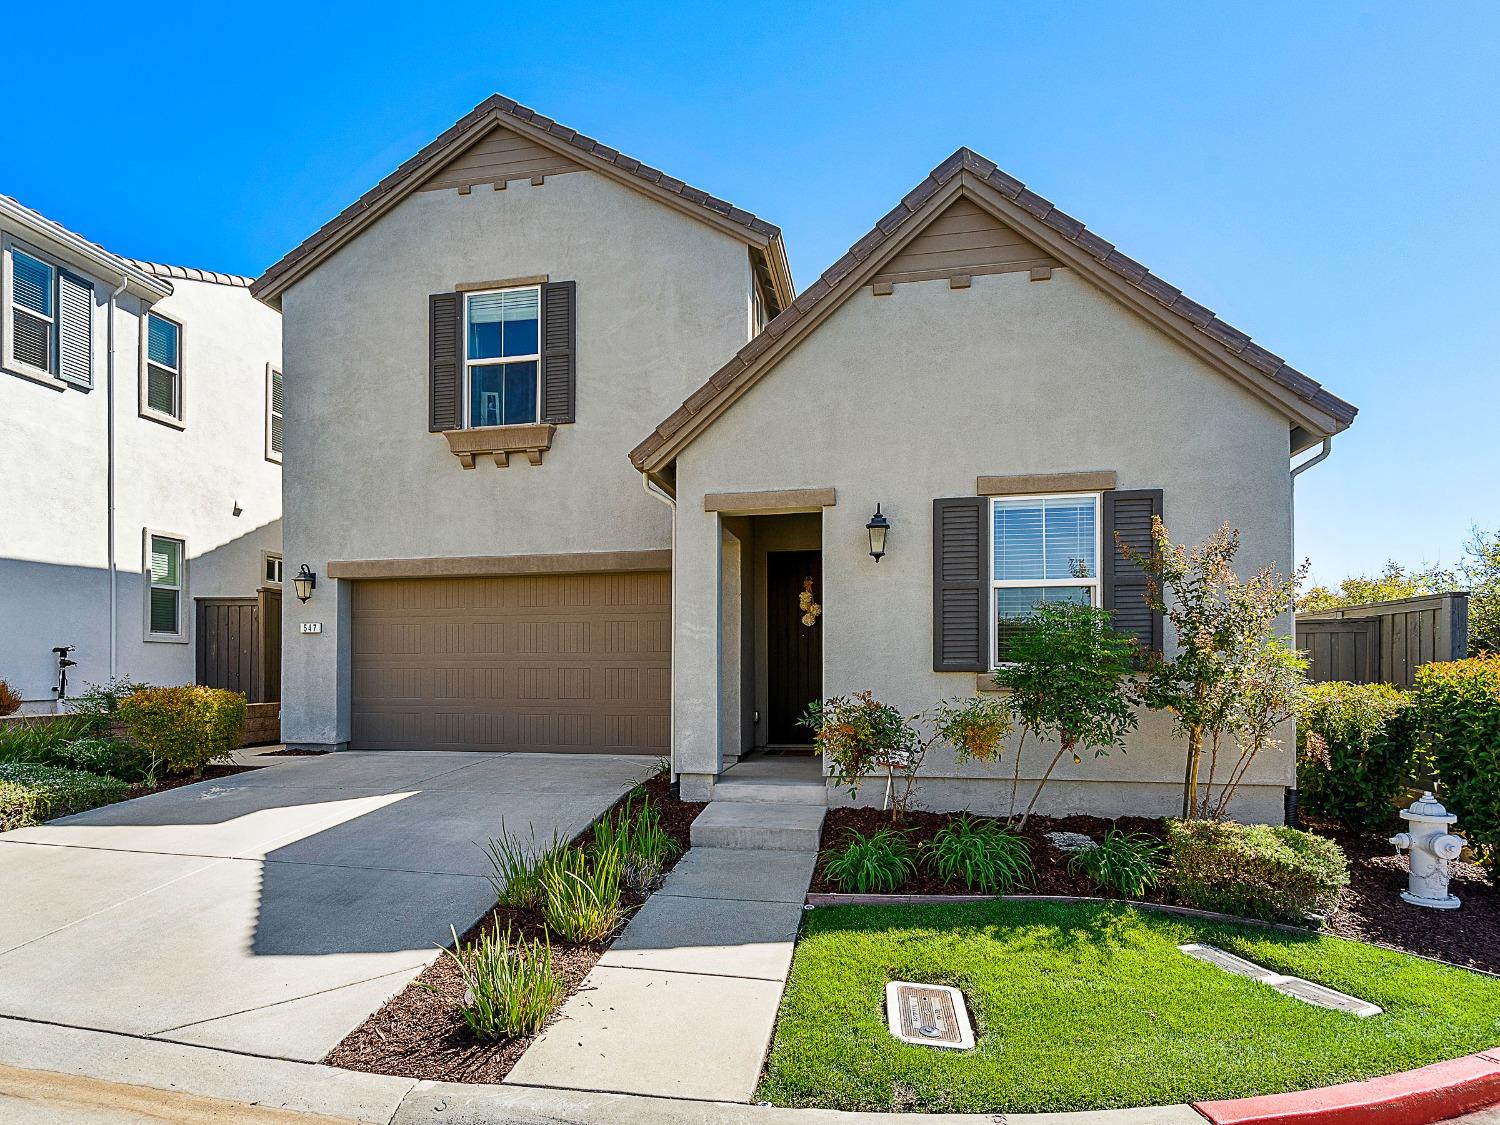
{"x":1289,"y":795}
{"x":1311,"y":461}
{"x":109,"y":406}
{"x":661,"y":494}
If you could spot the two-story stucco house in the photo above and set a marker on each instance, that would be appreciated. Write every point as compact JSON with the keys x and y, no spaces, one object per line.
{"x":565,"y":455}
{"x":140,"y":446}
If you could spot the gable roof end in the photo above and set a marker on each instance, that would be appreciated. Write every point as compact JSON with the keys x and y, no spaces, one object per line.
{"x":497,"y":110}
{"x":753,"y":360}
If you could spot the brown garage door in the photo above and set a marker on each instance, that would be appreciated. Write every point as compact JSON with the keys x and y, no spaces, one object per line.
{"x":568,"y":663}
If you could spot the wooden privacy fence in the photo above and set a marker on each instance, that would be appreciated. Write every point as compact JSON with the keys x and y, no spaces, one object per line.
{"x":1384,"y":642}
{"x":239,"y":645}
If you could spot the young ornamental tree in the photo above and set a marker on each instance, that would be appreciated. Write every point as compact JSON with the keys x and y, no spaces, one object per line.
{"x":1231,"y":677}
{"x":1068,"y":676}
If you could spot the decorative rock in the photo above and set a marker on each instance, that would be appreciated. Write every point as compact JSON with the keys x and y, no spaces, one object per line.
{"x":1071,"y":842}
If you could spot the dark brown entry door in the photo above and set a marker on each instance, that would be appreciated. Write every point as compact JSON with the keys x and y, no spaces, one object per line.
{"x":794,"y":650}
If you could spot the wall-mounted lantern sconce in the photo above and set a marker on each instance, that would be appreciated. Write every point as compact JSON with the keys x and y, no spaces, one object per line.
{"x":877,"y":527}
{"x":303,"y":582}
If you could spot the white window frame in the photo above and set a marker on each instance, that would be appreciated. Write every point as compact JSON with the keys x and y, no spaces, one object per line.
{"x":7,"y":315}
{"x":177,"y":421}
{"x":505,"y":361}
{"x":182,"y":635}
{"x":266,"y":558}
{"x":272,"y":373}
{"x":1093,"y":584}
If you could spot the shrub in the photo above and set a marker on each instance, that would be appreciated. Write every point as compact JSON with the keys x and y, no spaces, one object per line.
{"x":582,"y":893}
{"x":102,"y":701}
{"x":31,"y":793}
{"x":1124,"y":862}
{"x":103,"y":755}
{"x":516,"y":868}
{"x":975,"y":726}
{"x":184,"y":728}
{"x":636,"y":832}
{"x":510,"y":987}
{"x":859,"y":735}
{"x":1279,"y":874}
{"x":1354,"y":750}
{"x":10,"y":702}
{"x":980,"y":854}
{"x":1459,"y":710}
{"x":873,"y":864}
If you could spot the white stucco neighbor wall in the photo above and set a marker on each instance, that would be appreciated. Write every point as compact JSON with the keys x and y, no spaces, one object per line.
{"x":662,"y":300}
{"x":904,"y":398}
{"x":54,"y":508}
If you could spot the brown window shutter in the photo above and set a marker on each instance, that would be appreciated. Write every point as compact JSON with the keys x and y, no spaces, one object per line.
{"x":559,"y":361}
{"x":1124,"y":582}
{"x":445,"y":361}
{"x":961,"y":585}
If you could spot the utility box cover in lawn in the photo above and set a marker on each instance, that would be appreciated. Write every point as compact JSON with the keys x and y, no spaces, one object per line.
{"x":929,"y":1015}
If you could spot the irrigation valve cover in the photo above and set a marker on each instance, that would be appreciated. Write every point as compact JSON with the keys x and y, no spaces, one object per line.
{"x":929,"y":1015}
{"x":1432,"y":847}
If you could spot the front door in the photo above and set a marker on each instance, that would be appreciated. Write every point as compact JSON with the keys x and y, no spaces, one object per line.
{"x":794,"y":648}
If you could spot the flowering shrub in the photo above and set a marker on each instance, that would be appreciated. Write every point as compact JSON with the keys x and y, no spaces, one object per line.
{"x":973,"y":726}
{"x":861,"y":736}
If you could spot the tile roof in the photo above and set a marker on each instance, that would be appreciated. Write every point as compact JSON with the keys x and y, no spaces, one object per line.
{"x":1194,"y":315}
{"x":189,"y":273}
{"x":62,"y":236}
{"x":501,"y":109}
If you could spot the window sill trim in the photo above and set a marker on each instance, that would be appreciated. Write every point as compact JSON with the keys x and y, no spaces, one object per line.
{"x":166,"y":639}
{"x":36,"y":375}
{"x":163,"y":419}
{"x":500,"y":442}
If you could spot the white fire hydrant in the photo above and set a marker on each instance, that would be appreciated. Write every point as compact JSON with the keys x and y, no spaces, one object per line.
{"x":1431,"y":846}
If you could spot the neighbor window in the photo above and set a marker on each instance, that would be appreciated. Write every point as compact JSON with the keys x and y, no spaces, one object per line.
{"x":163,"y":390}
{"x":33,"y":318}
{"x":164,"y":592}
{"x":275,"y":414}
{"x":1046,"y":549}
{"x":271,"y":569}
{"x":502,"y":356}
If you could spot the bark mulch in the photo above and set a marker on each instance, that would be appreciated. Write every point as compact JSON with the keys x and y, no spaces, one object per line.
{"x":1369,"y":909}
{"x":292,"y":752}
{"x":418,"y":1032}
{"x":141,"y":789}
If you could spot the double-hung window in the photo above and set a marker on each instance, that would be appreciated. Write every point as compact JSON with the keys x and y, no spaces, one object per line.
{"x":33,"y":311}
{"x":165,"y":587}
{"x":161,"y":397}
{"x":1046,"y":549}
{"x":502,"y":357}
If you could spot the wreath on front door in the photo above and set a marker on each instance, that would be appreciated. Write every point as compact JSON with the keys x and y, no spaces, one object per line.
{"x":811,"y":610}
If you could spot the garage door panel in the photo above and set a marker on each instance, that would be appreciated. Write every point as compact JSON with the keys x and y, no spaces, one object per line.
{"x":571,"y":663}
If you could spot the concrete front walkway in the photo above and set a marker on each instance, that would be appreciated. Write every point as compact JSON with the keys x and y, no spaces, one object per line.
{"x":684,"y":1003}
{"x":271,"y":912}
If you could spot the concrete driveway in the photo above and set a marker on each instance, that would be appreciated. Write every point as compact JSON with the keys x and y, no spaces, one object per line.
{"x":270,"y":912}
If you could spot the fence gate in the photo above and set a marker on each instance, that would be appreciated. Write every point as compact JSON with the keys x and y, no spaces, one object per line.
{"x":1385,"y":642}
{"x":239,"y":644}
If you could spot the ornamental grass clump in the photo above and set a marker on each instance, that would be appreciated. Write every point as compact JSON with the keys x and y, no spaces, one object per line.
{"x":1354,"y":752}
{"x":1128,"y":863}
{"x":516,"y":867}
{"x":581,"y":892}
{"x":1256,"y":871}
{"x":981,"y":855}
{"x":873,"y":864}
{"x":510,"y":987}
{"x":637,"y":833}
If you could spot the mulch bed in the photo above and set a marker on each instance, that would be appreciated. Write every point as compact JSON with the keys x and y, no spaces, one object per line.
{"x":418,"y":1033}
{"x":292,"y":752}
{"x":1369,"y":909}
{"x":141,"y":789}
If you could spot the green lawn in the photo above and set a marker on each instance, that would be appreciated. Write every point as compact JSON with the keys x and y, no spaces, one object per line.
{"x":1092,"y":1006}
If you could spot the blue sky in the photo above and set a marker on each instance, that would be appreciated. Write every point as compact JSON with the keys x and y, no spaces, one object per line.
{"x":1324,"y":176}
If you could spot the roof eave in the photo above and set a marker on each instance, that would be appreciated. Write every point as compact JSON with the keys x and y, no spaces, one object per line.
{"x":85,"y":253}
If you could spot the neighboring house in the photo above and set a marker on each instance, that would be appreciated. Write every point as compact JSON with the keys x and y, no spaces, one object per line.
{"x":1008,"y":388}
{"x":140,"y":445}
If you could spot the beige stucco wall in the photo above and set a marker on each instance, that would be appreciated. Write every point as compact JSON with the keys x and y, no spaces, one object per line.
{"x":904,"y":398}
{"x":54,"y":507}
{"x":662,"y":300}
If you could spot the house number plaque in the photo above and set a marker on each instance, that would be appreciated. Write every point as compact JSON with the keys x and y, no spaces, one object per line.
{"x":932,"y":1015}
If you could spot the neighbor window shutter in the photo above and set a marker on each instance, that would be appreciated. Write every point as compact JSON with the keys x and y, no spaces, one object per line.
{"x":1128,"y":514}
{"x":445,"y":361}
{"x":961,"y":585}
{"x":75,"y":330}
{"x":559,"y":361}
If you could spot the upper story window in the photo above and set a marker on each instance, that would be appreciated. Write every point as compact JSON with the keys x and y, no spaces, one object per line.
{"x":33,"y":321}
{"x":165,"y":588}
{"x":1046,"y":549}
{"x":275,"y":414}
{"x":161,"y":391}
{"x":48,"y":316}
{"x":270,"y":568}
{"x":502,"y":356}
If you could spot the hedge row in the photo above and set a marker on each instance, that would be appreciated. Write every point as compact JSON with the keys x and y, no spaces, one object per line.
{"x":31,"y":793}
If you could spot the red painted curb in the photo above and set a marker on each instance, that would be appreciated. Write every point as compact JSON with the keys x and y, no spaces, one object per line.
{"x":1414,"y":1097}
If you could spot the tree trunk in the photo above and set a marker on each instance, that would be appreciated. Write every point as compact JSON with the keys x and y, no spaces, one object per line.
{"x":1052,"y":765}
{"x":1190,"y":777}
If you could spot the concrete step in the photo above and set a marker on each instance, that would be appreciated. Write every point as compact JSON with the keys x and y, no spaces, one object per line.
{"x":771,"y":791}
{"x":758,"y":824}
